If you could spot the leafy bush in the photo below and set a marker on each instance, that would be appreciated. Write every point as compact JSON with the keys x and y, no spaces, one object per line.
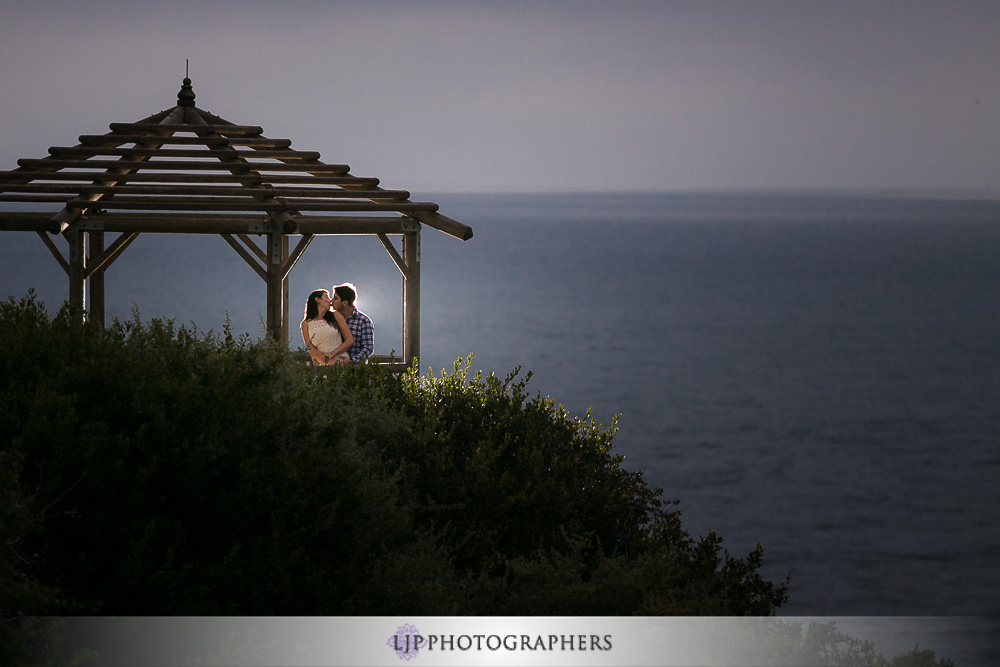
{"x":535,"y":504}
{"x":155,"y":470}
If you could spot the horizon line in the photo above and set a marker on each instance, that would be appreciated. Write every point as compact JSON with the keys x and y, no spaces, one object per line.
{"x":873,"y":191}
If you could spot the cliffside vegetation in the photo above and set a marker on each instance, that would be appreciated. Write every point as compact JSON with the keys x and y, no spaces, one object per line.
{"x":150,"y":469}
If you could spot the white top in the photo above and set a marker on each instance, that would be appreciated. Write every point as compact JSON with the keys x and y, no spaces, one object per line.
{"x":325,"y":336}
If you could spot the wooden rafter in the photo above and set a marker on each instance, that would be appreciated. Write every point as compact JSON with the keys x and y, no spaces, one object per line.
{"x":247,"y":257}
{"x":393,"y":254}
{"x":111,"y":253}
{"x":55,"y":251}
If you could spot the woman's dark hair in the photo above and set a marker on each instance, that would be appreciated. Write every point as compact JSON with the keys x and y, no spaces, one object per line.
{"x":312,"y":309}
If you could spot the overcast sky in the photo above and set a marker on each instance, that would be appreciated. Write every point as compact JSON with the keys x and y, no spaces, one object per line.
{"x":511,"y":96}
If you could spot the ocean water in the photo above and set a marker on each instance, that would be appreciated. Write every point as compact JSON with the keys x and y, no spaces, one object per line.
{"x":819,"y":374}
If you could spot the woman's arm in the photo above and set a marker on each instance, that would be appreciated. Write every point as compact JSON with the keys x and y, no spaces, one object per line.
{"x":314,"y":353}
{"x":345,"y":333}
{"x":305,"y":334}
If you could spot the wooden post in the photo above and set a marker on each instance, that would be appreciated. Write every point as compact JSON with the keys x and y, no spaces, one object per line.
{"x":277,"y":304}
{"x":283,"y":306}
{"x":77,"y":269}
{"x":97,"y":281}
{"x":411,"y":297}
{"x":284,"y":295}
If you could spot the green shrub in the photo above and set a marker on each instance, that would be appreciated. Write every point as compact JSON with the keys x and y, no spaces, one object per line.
{"x":153,"y":470}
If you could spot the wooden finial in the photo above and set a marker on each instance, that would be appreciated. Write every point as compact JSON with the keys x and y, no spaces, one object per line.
{"x":185,"y":97}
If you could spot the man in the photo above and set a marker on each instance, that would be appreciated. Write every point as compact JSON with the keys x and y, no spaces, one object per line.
{"x":360,"y":324}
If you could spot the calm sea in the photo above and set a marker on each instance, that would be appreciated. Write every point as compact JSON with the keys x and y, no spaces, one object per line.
{"x":819,"y":374}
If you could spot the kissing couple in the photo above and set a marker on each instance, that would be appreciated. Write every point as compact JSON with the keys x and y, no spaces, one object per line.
{"x":334,"y":331}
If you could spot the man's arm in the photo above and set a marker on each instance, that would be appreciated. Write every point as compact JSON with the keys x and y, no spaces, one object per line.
{"x":367,"y":340}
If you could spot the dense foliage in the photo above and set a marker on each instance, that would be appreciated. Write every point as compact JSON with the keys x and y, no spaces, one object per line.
{"x":153,"y":470}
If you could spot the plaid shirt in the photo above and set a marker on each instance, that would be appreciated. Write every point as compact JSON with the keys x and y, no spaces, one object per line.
{"x":363,"y":332}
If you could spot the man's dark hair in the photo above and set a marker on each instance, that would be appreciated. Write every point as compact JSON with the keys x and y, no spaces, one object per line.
{"x":347,"y":292}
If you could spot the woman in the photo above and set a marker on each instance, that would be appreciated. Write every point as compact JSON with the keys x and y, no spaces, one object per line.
{"x":325,"y":331}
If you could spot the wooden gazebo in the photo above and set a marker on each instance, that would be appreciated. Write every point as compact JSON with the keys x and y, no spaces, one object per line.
{"x":187,"y":171}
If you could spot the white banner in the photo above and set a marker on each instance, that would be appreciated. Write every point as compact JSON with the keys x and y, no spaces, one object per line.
{"x":426,"y":641}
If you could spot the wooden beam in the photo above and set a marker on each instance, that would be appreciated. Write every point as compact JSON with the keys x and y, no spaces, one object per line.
{"x":391,"y":362}
{"x":198,"y":190}
{"x":444,"y":224}
{"x":393,"y":254}
{"x":68,"y":188}
{"x":204,"y":140}
{"x":222,"y":153}
{"x":193,"y":189}
{"x":246,"y":256}
{"x":55,"y":251}
{"x":259,"y":142}
{"x":61,"y":220}
{"x":48,"y":170}
{"x":26,"y":222}
{"x":162,"y":125}
{"x":38,"y":199}
{"x":338,"y":193}
{"x":94,"y":275}
{"x":176,"y":204}
{"x":300,"y":248}
{"x":368,"y":205}
{"x":208,"y":223}
{"x":90,"y":177}
{"x":316,"y":179}
{"x":277,"y":306}
{"x":23,"y":176}
{"x":77,"y":267}
{"x":69,"y":213}
{"x":284,"y":310}
{"x":411,"y":297}
{"x":102,"y":260}
{"x":253,"y":247}
{"x":117,"y":139}
{"x":170,"y":128}
{"x":181,"y":165}
{"x":240,"y":204}
{"x":337,"y":225}
{"x":280,"y":216}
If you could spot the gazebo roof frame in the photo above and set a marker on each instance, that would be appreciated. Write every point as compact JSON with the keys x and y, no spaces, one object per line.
{"x":185,"y":170}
